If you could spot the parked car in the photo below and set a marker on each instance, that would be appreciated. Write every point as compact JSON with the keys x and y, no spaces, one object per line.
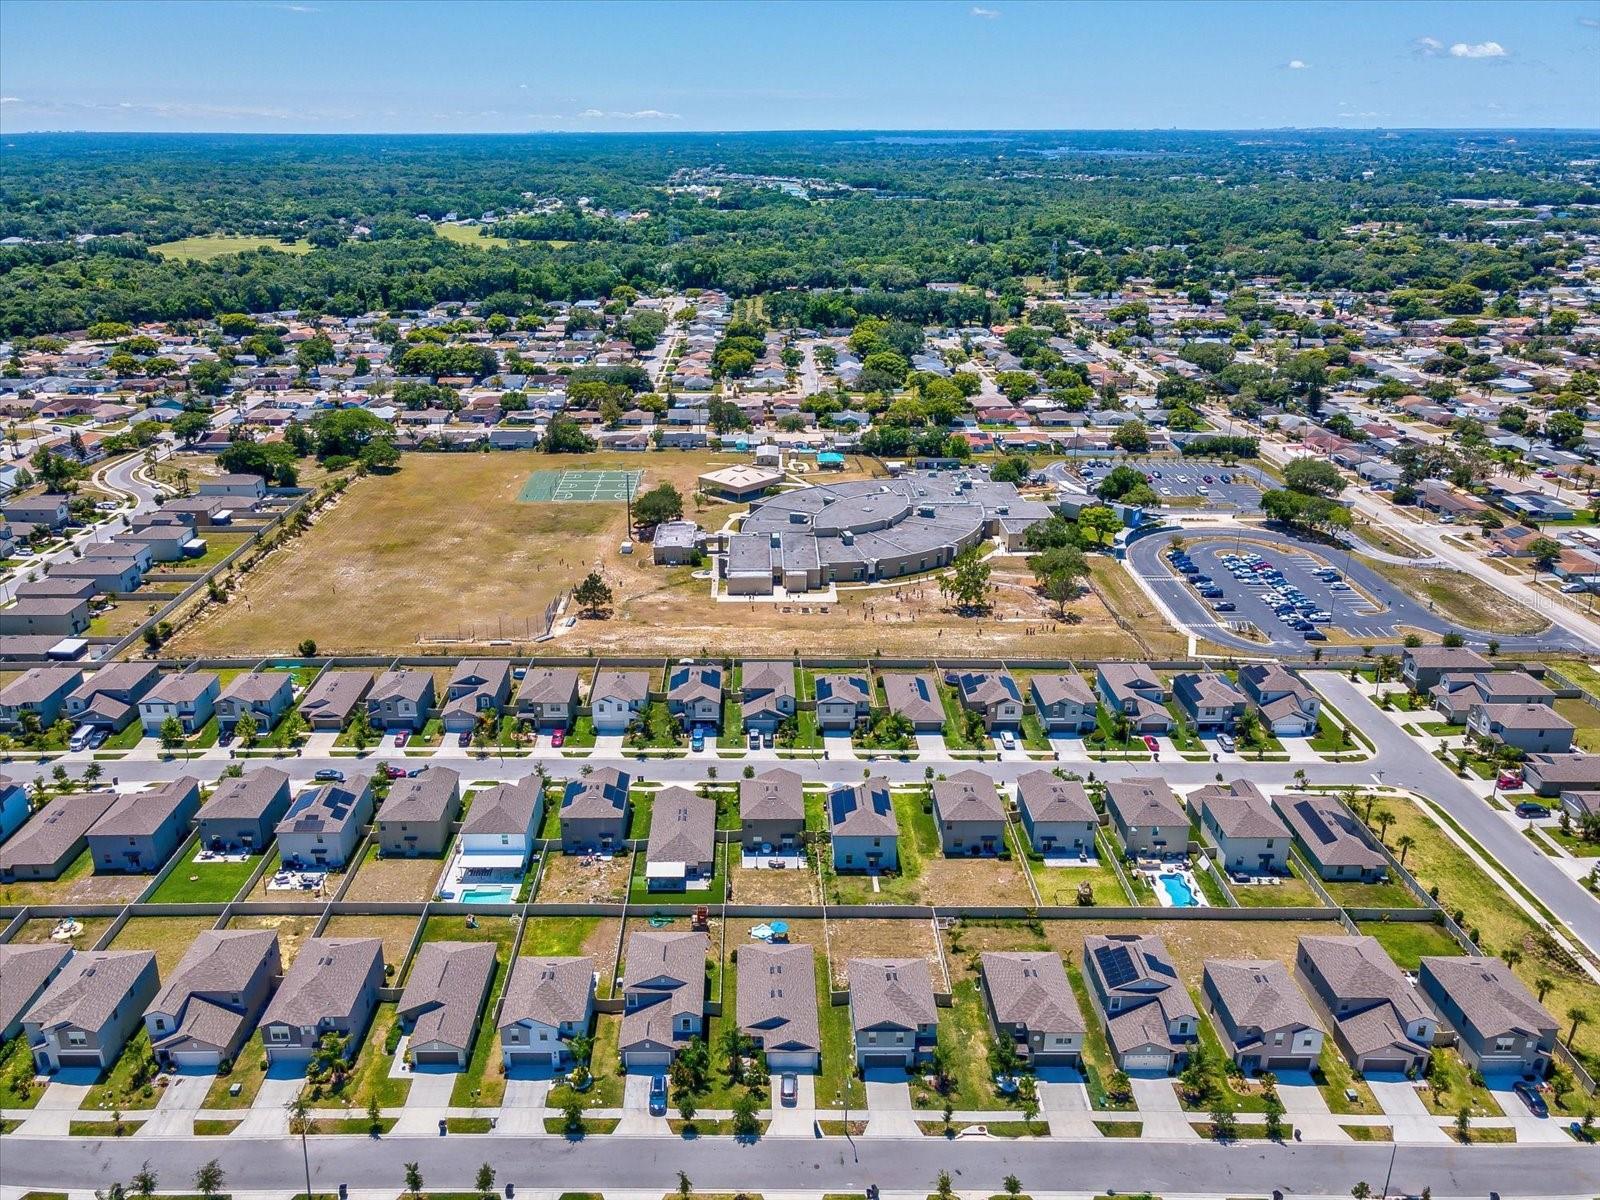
{"x":1531,"y":1097}
{"x":465,"y":738}
{"x":395,"y":772}
{"x":789,"y":1089}
{"x":658,"y":1095}
{"x":401,"y":738}
{"x":766,"y":739}
{"x":1532,"y":809}
{"x":329,"y":775}
{"x":80,"y":738}
{"x":98,"y":738}
{"x":1225,"y":741}
{"x":755,"y":739}
{"x":558,"y":739}
{"x":1225,"y":606}
{"x":1151,"y":745}
{"x":1509,"y":780}
{"x":1008,"y":740}
{"x":697,"y":740}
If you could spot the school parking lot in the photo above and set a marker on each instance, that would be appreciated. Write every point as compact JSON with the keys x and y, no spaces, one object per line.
{"x":1189,"y":485}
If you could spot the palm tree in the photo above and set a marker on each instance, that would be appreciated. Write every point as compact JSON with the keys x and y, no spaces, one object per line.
{"x":1542,"y":986}
{"x":1577,"y":1014}
{"x":1385,"y":819}
{"x":1511,"y":956}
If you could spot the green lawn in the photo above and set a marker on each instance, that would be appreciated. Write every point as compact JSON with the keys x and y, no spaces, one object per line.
{"x":1237,"y":1096}
{"x":484,"y":1080}
{"x":1098,"y":1065}
{"x":122,"y":1088}
{"x":1103,"y":738}
{"x":605,"y":1065}
{"x":1290,"y":891}
{"x":639,"y":892}
{"x":556,"y":937}
{"x":917,"y":842}
{"x":964,"y":1035}
{"x":369,"y":1077}
{"x":205,"y":247}
{"x":1334,"y":1076}
{"x":640,"y":803}
{"x":17,"y":1089}
{"x":248,"y":1072}
{"x":581,"y":735}
{"x":837,"y":1083}
{"x":1409,"y":942}
{"x":204,"y":883}
{"x":1450,"y":1085}
{"x":1389,"y":894}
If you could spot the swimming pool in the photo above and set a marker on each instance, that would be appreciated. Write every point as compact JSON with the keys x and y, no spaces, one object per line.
{"x":503,"y":893}
{"x":1176,"y":889}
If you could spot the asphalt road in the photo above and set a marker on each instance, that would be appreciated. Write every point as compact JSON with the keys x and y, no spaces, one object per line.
{"x":1147,"y":558}
{"x":835,"y":1165}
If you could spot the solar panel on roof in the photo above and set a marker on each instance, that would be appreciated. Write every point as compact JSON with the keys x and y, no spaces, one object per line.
{"x":1116,"y":965}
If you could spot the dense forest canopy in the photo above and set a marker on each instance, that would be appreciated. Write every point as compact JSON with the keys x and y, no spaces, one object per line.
{"x":891,"y":213}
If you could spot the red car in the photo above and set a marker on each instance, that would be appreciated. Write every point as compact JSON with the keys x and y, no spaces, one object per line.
{"x":401,"y":738}
{"x":1509,"y":780}
{"x":395,"y":772}
{"x":558,"y":738}
{"x":1151,"y":745}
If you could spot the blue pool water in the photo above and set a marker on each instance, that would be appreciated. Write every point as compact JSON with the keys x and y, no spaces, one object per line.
{"x":505,"y":893}
{"x":1177,"y":891}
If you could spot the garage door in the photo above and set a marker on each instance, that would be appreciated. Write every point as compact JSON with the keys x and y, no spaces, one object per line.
{"x":530,"y":1058}
{"x":645,"y":1060}
{"x":884,"y":1060}
{"x":1291,"y":1064}
{"x":1146,"y":1062}
{"x":195,"y":1058}
{"x":436,"y":1056}
{"x":791,"y":1061}
{"x":1385,"y":1066}
{"x":80,"y":1058}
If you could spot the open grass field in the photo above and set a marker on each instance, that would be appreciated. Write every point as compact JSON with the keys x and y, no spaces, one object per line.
{"x":595,"y":937}
{"x":470,"y":235}
{"x":1587,"y":719}
{"x":169,"y":937}
{"x":204,"y":882}
{"x":442,"y":555}
{"x":215,"y":245}
{"x":1463,"y":598}
{"x":395,"y":932}
{"x":36,"y":932}
{"x":1117,"y":592}
{"x":292,"y":929}
{"x":78,"y":884}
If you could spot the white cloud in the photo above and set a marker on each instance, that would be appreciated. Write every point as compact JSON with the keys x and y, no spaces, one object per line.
{"x":591,"y":112}
{"x":988,"y":14}
{"x":1589,"y":22}
{"x":297,"y":8}
{"x":1477,"y":50}
{"x":642,"y":114}
{"x":1428,"y":47}
{"x":10,"y":99}
{"x":1296,"y":64}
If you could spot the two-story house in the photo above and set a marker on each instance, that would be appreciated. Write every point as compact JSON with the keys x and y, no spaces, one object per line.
{"x":595,"y":812}
{"x":892,"y":1013}
{"x":1148,"y":818}
{"x":1063,"y":702}
{"x":992,"y":694}
{"x":1264,"y":1021}
{"x":1250,"y":837}
{"x":189,"y":697}
{"x":772,"y":813}
{"x":1209,"y":700}
{"x":663,"y":992}
{"x":1378,"y":1020}
{"x":969,"y":816}
{"x":617,"y":699}
{"x":90,"y":1009}
{"x":401,"y":699}
{"x":1031,"y":1003}
{"x":1150,"y":1018}
{"x":1501,"y":1030}
{"x":1057,"y":815}
{"x":548,"y":1002}
{"x":1288,"y":707}
{"x":332,"y":990}
{"x":694,"y":695}
{"x":844,"y":700}
{"x":212,"y":999}
{"x":548,"y":697}
{"x":478,"y":689}
{"x":1137,"y":693}
{"x":865,"y":832}
{"x":767,"y":696}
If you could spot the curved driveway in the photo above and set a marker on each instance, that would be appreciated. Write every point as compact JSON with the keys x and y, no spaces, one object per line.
{"x":1146,"y":560}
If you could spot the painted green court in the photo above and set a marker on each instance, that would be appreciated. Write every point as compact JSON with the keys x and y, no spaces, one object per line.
{"x":579,"y":487}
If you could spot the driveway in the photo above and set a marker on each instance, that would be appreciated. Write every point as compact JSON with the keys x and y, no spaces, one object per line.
{"x":1529,"y":1127}
{"x":522,"y":1112}
{"x":174,"y":1112}
{"x":931,"y":745}
{"x":836,"y":744}
{"x":1307,"y":1108}
{"x":636,"y":1119}
{"x":799,"y":1120}
{"x":62,"y":1098}
{"x":268,"y":1116}
{"x":427,"y":1103}
{"x":1064,"y":1103}
{"x":889,"y":1111}
{"x":1068,"y":746}
{"x":1410,"y":1116}
{"x":1159,"y":1108}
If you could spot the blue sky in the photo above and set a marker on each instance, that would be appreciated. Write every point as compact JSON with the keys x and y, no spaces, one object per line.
{"x":326,"y":66}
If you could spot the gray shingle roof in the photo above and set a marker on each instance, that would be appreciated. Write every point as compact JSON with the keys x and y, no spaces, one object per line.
{"x":140,"y":814}
{"x":549,"y":990}
{"x":548,"y":685}
{"x":325,"y":809}
{"x":219,"y":960}
{"x":506,"y":808}
{"x":400,"y":685}
{"x":1330,"y":832}
{"x":862,"y":810}
{"x":424,"y":799}
{"x":445,"y":991}
{"x":1239,"y":809}
{"x":244,"y":797}
{"x":1030,"y":988}
{"x":777,"y":996}
{"x":1054,"y":689}
{"x":894,"y":992}
{"x":54,"y":829}
{"x":23,"y":970}
{"x":326,"y":980}
{"x":967,"y":796}
{"x":1047,"y":798}
{"x":1489,"y":996}
{"x":90,"y":986}
{"x":336,"y":693}
{"x":184,"y":688}
{"x":602,"y":793}
{"x":915,"y":697}
{"x":1357,"y":969}
{"x":683,"y":827}
{"x":1256,"y":994}
{"x":775,"y":795}
{"x":1143,"y":802}
{"x":38,"y":684}
{"x":625,"y":686}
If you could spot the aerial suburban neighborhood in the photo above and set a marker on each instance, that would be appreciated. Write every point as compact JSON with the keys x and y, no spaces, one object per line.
{"x":623,"y":662}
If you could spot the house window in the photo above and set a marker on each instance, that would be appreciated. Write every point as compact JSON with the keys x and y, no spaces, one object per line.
{"x":278,"y":1033}
{"x":505,"y":839}
{"x":1505,"y":1043}
{"x":161,"y":1023}
{"x":1277,"y":1039}
{"x":77,"y":1038}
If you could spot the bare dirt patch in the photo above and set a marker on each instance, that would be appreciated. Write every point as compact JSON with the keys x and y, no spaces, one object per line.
{"x":395,"y":933}
{"x":1192,"y":942}
{"x":292,"y":931}
{"x":37,"y":932}
{"x":764,"y":885}
{"x":569,"y":879}
{"x":395,"y":879}
{"x":973,"y":881}
{"x":874,"y":938}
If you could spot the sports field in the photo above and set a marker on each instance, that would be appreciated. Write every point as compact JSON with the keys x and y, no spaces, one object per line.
{"x":215,"y":245}
{"x":579,"y":487}
{"x":446,"y":556}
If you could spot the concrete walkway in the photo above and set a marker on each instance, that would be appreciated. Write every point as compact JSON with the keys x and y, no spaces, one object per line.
{"x":799,"y":1120}
{"x":181,"y":1100}
{"x":268,"y":1116}
{"x":1412,"y":1122}
{"x":889,"y":1111}
{"x":636,"y":1119}
{"x":1064,"y":1103}
{"x":523,"y":1111}
{"x":1306,"y":1108}
{"x":1159,"y":1108}
{"x":62,"y":1098}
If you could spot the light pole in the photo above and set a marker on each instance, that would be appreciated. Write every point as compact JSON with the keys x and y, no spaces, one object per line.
{"x":300,"y":1114}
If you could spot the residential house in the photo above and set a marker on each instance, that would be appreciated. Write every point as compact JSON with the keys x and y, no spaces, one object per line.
{"x":1337,"y":846}
{"x":1032,"y":1005}
{"x":1057,"y":815}
{"x":401,"y":700}
{"x":1454,"y":695}
{"x":243,"y":811}
{"x":212,"y":999}
{"x":682,"y":849}
{"x":1531,"y":728}
{"x":992,"y":694}
{"x":42,"y":691}
{"x":617,"y":699}
{"x":1264,"y":1021}
{"x":25,"y":971}
{"x":502,"y":825}
{"x":50,"y":510}
{"x":1580,"y":806}
{"x":916,"y":698}
{"x":595,"y":812}
{"x":767,"y":696}
{"x":323,"y":826}
{"x":1553,"y":774}
{"x":333,"y":699}
{"x":1137,"y":693}
{"x":115,"y":573}
{"x":265,"y":695}
{"x":1288,"y":706}
{"x":330,"y":990}
{"x":1250,"y":837}
{"x":37,"y":616}
{"x":1380,"y":1024}
{"x":1424,"y":666}
{"x":415,"y":816}
{"x":1209,"y":700}
{"x":87,"y":1013}
{"x":772,"y":813}
{"x":843,"y":701}
{"x":478,"y":689}
{"x":1501,"y":1030}
{"x":109,"y":698}
{"x":663,"y":992}
{"x":14,"y":808}
{"x":548,"y":1002}
{"x":250,"y":489}
{"x":53,"y":837}
{"x":1148,"y":818}
{"x":892,"y":1013}
{"x":139,"y":832}
{"x":548,"y":697}
{"x":1064,"y":702}
{"x":969,"y":815}
{"x":1150,"y":1018}
{"x":776,"y":1005}
{"x":444,"y":996}
{"x":189,"y":697}
{"x":865,"y":831}
{"x":694,"y":695}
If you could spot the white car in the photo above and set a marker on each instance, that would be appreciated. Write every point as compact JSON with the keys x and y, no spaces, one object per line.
{"x":1008,"y":740}
{"x":81,"y":737}
{"x":1574,"y":586}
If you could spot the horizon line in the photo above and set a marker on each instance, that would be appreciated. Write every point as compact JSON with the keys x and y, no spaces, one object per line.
{"x":958,"y":130}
